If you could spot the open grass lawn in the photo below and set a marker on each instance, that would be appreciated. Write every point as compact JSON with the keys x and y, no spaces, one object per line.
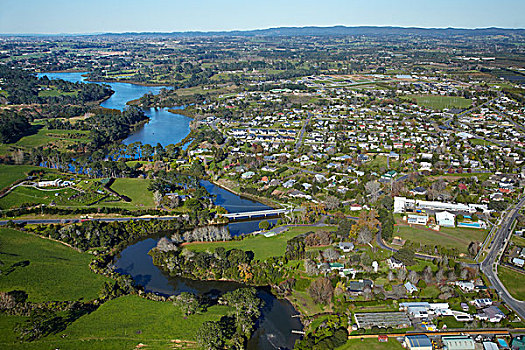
{"x":458,"y":238}
{"x":44,"y":269}
{"x":306,"y":305}
{"x":262,"y":247}
{"x":420,"y":265}
{"x":381,"y":162}
{"x":476,"y":142}
{"x":137,"y":190}
{"x":430,"y":292}
{"x":518,"y":240}
{"x":7,"y":323}
{"x":125,"y":322}
{"x":455,"y":177}
{"x":25,"y":195}
{"x":451,"y":322}
{"x":11,"y":173}
{"x":55,"y":92}
{"x":439,"y":102}
{"x":370,"y":344}
{"x":513,"y":281}
{"x":59,"y":138}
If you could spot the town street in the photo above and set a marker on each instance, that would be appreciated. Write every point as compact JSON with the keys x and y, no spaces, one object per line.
{"x":489,"y":265}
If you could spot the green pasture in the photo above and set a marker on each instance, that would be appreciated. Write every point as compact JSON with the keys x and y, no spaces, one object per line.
{"x":44,"y":269}
{"x":262,"y":247}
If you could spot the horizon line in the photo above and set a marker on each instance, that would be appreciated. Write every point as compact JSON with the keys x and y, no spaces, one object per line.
{"x":254,"y":30}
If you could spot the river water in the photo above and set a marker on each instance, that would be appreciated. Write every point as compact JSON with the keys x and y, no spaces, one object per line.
{"x":274,"y":327}
{"x":276,"y":323}
{"x":163,"y":127}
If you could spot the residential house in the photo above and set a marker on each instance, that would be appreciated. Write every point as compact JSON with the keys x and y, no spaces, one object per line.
{"x":418,"y":191}
{"x":518,"y":262}
{"x":411,"y":288}
{"x":346,"y":247}
{"x":248,"y":175}
{"x":395,"y":264}
{"x":465,"y":286}
{"x":491,"y":314}
{"x":359,"y":286}
{"x":481,"y":303}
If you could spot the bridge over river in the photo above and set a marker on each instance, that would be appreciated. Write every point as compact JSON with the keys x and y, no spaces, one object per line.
{"x":258,"y":213}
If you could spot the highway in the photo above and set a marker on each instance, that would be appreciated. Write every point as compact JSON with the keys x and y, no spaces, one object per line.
{"x":76,"y":220}
{"x":489,"y":265}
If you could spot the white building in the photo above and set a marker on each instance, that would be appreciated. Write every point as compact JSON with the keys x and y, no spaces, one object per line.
{"x":395,"y":264}
{"x":518,"y":262}
{"x":446,"y":219}
{"x":417,"y":219}
{"x":401,"y":204}
{"x":465,"y":286}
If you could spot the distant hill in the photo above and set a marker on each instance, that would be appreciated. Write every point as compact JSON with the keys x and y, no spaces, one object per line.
{"x":339,"y":30}
{"x":310,"y":31}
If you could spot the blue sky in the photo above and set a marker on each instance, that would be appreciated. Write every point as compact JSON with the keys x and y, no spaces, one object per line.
{"x":89,"y":16}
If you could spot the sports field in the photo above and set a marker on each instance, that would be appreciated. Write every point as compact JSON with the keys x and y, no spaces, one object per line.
{"x":458,"y":238}
{"x":439,"y":102}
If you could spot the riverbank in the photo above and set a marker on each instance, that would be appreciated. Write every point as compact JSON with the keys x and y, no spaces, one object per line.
{"x":63,"y":71}
{"x":109,"y":81}
{"x":183,"y":112}
{"x":278,"y":315}
{"x":225,"y":186}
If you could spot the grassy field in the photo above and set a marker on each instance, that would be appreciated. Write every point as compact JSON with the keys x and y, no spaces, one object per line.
{"x":137,"y":190}
{"x":439,"y":102}
{"x":370,"y":344}
{"x":24,"y":195}
{"x":381,"y":162}
{"x":11,"y":173}
{"x":458,"y":238}
{"x":60,"y":138}
{"x":7,"y":323}
{"x":46,"y":270}
{"x":262,"y":247}
{"x":123,"y":323}
{"x":55,"y":92}
{"x":476,"y":142}
{"x":518,"y":240}
{"x":430,"y":292}
{"x":513,"y":281}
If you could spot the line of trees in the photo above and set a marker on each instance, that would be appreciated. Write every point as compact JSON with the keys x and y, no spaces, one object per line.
{"x":95,"y":234}
{"x":13,"y":126}
{"x":23,"y":87}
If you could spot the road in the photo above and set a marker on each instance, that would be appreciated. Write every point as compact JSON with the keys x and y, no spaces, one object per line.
{"x":75,"y":220}
{"x":470,"y":110}
{"x":379,"y":241}
{"x":505,"y":116}
{"x":301,"y":133}
{"x":489,"y":265}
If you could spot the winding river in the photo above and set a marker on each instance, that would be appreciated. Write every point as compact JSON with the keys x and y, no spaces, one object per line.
{"x":276,"y":322}
{"x":163,"y":127}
